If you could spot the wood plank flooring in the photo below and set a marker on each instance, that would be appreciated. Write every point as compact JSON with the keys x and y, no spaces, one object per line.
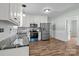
{"x":53,"y":47}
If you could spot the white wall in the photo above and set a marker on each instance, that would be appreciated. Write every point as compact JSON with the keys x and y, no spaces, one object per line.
{"x":51,"y":21}
{"x":61,"y":23}
{"x":7,"y":33}
{"x":22,"y":51}
{"x":61,"y":32}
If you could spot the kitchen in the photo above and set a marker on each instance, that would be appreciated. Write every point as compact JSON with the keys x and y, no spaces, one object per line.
{"x":17,"y":30}
{"x":39,"y":29}
{"x":10,"y":40}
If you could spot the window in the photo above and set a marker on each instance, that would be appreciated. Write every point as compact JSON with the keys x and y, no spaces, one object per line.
{"x":1,"y":30}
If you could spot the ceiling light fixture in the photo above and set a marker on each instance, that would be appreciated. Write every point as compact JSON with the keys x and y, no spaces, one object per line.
{"x":47,"y":10}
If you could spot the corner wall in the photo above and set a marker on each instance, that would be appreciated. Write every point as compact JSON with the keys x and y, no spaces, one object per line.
{"x":61,"y":32}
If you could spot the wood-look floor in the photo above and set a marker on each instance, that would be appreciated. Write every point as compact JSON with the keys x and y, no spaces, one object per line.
{"x":53,"y":47}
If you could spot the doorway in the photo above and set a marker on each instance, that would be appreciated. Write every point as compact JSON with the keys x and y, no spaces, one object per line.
{"x":72,"y":36}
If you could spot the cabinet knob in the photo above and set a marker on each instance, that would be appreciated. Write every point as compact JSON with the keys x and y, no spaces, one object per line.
{"x":15,"y":18}
{"x":9,"y":19}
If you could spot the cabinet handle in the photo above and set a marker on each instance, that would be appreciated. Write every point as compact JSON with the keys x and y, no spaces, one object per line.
{"x":15,"y":18}
{"x":9,"y":19}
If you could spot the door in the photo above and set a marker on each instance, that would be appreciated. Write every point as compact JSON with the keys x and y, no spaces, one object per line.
{"x":71,"y":28}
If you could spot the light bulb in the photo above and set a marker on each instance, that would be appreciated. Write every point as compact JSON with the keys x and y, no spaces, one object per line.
{"x":24,"y":15}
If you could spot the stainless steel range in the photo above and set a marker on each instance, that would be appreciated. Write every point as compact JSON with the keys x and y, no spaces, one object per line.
{"x":33,"y":32}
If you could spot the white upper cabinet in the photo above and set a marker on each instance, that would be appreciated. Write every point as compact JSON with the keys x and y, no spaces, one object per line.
{"x":15,"y":9}
{"x":10,"y":12}
{"x":18,"y":11}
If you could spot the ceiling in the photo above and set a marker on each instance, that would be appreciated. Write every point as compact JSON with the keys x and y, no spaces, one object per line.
{"x":56,"y":8}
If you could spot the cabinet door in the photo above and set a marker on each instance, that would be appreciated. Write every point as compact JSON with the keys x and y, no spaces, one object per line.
{"x":18,"y":12}
{"x":14,"y":12}
{"x":4,"y":11}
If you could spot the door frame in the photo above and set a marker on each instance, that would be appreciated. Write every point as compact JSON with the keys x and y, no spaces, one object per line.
{"x":68,"y":27}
